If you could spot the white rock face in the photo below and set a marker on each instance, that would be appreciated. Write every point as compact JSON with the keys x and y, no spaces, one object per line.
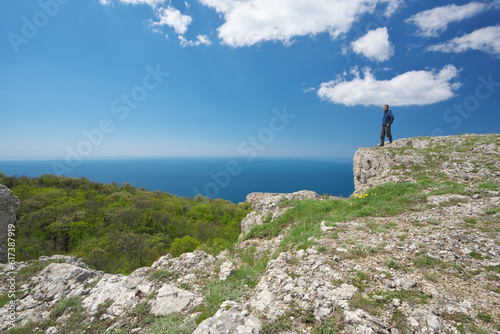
{"x":230,"y":318}
{"x":124,"y":292}
{"x":171,"y":299}
{"x":56,"y":281}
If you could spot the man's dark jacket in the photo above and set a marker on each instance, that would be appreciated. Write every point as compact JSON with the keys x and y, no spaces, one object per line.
{"x":388,"y":117}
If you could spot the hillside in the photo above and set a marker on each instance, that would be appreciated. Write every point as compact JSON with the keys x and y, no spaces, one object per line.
{"x":415,"y":249}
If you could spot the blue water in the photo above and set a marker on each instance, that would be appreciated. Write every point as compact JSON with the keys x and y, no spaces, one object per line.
{"x":228,"y":178}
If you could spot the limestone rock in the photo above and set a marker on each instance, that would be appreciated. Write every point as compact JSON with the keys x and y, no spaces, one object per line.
{"x":171,"y":299}
{"x":230,"y":318}
{"x":124,"y":292}
{"x":185,"y":263}
{"x":226,"y":270}
{"x":56,"y":281}
{"x":266,"y":207}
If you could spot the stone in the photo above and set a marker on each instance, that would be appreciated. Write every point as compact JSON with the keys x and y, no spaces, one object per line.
{"x":124,"y":293}
{"x":230,"y":318}
{"x":427,"y":321}
{"x":226,"y":269}
{"x":171,"y":299}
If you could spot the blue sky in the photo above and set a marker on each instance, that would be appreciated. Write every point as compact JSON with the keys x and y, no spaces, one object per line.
{"x":107,"y":78}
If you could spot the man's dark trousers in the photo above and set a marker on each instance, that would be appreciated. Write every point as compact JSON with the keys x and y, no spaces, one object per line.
{"x":386,"y":131}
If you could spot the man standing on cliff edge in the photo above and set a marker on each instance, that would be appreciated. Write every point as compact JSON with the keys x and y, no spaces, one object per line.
{"x":386,"y":125}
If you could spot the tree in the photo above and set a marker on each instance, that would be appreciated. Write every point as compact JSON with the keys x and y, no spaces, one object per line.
{"x":186,"y":244}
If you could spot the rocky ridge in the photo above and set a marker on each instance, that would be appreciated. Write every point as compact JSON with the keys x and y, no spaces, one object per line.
{"x":434,"y":268}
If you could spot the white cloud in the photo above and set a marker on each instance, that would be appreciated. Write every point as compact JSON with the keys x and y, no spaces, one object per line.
{"x":133,"y":2}
{"x":254,"y":21}
{"x":221,"y":6}
{"x":434,"y":21}
{"x":374,"y":45}
{"x":485,"y":39}
{"x":201,"y":40}
{"x":173,"y":18}
{"x":410,"y":88}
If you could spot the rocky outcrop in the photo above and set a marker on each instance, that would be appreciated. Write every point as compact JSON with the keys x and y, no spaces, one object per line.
{"x":8,"y":206}
{"x":456,"y":156}
{"x":269,"y":206}
{"x":230,"y":318}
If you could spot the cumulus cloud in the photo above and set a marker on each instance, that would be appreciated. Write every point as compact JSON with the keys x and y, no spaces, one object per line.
{"x":374,"y":45}
{"x":485,"y":39}
{"x":221,"y":6}
{"x":200,"y":40}
{"x":173,"y":18}
{"x":432,"y":22}
{"x":254,"y":21}
{"x":410,"y":88}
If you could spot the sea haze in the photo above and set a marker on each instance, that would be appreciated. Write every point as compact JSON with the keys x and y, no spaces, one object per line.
{"x":228,"y":178}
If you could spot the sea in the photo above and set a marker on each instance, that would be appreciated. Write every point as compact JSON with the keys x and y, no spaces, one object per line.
{"x":214,"y":177}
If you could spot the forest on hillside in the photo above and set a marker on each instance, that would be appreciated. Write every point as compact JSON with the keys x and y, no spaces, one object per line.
{"x":116,"y":228}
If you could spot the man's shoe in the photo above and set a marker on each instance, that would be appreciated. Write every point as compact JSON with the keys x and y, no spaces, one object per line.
{"x":381,"y":144}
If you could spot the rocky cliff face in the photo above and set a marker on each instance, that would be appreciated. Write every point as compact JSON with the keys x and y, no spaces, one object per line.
{"x":434,"y":268}
{"x":462,"y":158}
{"x":8,"y":206}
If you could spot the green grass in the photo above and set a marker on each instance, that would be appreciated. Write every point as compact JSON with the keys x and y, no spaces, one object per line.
{"x":426,"y":261}
{"x":245,"y":277}
{"x":174,"y":323}
{"x":476,"y":255}
{"x":162,"y":275}
{"x":280,"y":325}
{"x":332,"y":325}
{"x":30,"y":271}
{"x":4,"y":299}
{"x":396,"y":265}
{"x":391,"y":199}
{"x":489,"y":185}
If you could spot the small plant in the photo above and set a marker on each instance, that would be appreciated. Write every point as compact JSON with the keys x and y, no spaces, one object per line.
{"x":321,"y":248}
{"x":399,"y":321}
{"x":396,"y":265}
{"x":485,"y":317}
{"x":360,"y":280}
{"x":470,"y":220}
{"x":174,"y":323}
{"x":402,"y":237}
{"x":162,"y":275}
{"x":280,"y":325}
{"x":333,"y":325}
{"x":433,"y":221}
{"x":476,"y":255}
{"x":426,"y":261}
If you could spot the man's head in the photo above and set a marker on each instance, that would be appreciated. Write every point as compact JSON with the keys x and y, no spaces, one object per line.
{"x":386,"y":106}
